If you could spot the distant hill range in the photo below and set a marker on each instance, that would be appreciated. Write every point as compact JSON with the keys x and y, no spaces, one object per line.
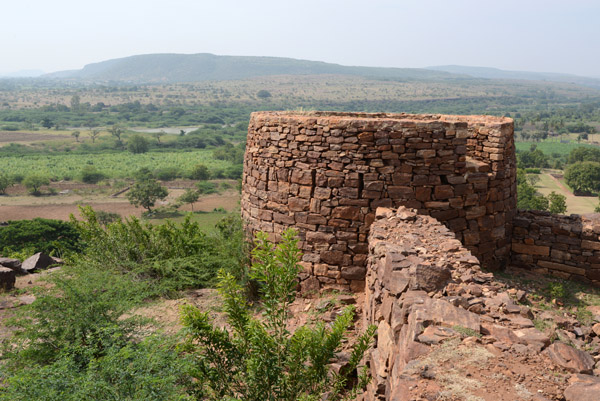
{"x":172,"y":68}
{"x":496,"y":73}
{"x":168,"y":68}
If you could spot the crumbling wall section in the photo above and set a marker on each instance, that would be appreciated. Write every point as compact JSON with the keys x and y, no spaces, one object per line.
{"x":326,"y":173}
{"x":412,"y":259}
{"x":564,"y":246}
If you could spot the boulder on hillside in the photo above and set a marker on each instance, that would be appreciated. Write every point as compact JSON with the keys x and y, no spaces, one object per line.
{"x":569,"y":358}
{"x":7,"y":278}
{"x":583,"y":388}
{"x":11,"y":263}
{"x":38,"y":261}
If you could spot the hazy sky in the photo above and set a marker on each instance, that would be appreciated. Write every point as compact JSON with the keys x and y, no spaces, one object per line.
{"x":533,"y":35}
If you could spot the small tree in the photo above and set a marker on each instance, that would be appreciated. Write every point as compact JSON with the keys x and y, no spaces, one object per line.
{"x":558,"y":203}
{"x":137,"y":144}
{"x":5,"y":182}
{"x":189,"y":196}
{"x":34,"y":183}
{"x":75,"y":134}
{"x":94,"y":133}
{"x":259,"y":359}
{"x":116,"y":131}
{"x":47,"y":122}
{"x":157,"y":135}
{"x":145,"y":193}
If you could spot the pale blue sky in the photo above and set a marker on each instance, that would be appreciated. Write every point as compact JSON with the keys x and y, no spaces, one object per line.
{"x":531,"y":35}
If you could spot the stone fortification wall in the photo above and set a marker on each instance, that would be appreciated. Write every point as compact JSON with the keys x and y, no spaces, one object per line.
{"x":326,"y":173}
{"x":564,"y":246}
{"x":413,"y":257}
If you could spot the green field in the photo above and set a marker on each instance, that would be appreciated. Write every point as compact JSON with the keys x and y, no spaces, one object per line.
{"x":115,"y":165}
{"x":575,"y":204}
{"x":551,"y":147}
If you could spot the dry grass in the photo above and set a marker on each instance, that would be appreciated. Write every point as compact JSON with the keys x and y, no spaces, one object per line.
{"x":450,"y":360}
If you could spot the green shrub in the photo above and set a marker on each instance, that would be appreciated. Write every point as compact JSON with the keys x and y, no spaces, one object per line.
{"x":199,"y":172}
{"x":172,"y":256}
{"x":167,"y":173}
{"x":137,"y":144}
{"x":75,"y":343}
{"x":149,"y":370}
{"x":5,"y":182}
{"x":90,"y":175}
{"x":42,"y":235}
{"x":259,"y":359}
{"x":34,"y":183}
{"x":206,"y":187}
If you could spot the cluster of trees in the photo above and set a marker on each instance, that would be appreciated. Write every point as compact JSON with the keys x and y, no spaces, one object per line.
{"x":33,"y":182}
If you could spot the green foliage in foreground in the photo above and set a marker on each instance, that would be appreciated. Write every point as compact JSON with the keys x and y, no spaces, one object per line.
{"x":39,"y":235}
{"x":259,"y":359}
{"x":172,"y":256}
{"x":75,"y":343}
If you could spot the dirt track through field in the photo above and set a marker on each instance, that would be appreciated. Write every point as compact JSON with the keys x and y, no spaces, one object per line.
{"x":62,"y":211}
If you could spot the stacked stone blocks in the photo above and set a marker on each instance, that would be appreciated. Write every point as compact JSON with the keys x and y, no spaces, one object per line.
{"x":326,"y":173}
{"x":564,"y":246}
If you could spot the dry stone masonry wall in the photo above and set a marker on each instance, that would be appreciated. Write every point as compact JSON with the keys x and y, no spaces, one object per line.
{"x":326,"y":173}
{"x":564,"y":246}
{"x":413,"y":256}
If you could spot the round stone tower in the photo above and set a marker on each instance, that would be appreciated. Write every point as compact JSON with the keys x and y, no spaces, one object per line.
{"x":325,"y":173}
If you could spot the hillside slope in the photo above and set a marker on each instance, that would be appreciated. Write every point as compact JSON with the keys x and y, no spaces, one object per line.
{"x":496,"y":73}
{"x":170,"y":68}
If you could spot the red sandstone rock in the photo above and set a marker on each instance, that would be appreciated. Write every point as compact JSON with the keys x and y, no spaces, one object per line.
{"x":570,"y":358}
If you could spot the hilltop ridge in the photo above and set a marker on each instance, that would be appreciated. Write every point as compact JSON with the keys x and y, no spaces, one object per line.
{"x":171,"y":68}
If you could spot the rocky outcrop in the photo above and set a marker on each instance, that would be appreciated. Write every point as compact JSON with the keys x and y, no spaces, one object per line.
{"x":36,"y":262}
{"x":12,"y":263}
{"x":457,"y":300}
{"x":7,"y":278}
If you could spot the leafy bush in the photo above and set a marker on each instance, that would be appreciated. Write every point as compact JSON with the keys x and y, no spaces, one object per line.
{"x":259,"y":359}
{"x":5,"y":182}
{"x":167,"y":173}
{"x":558,"y":203}
{"x":199,"y":172}
{"x":172,"y":256}
{"x":206,"y":187}
{"x":90,"y":175}
{"x":137,"y":144}
{"x":34,"y":183}
{"x":41,"y":235}
{"x":106,"y":218}
{"x":150,"y":370}
{"x":75,"y":343}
